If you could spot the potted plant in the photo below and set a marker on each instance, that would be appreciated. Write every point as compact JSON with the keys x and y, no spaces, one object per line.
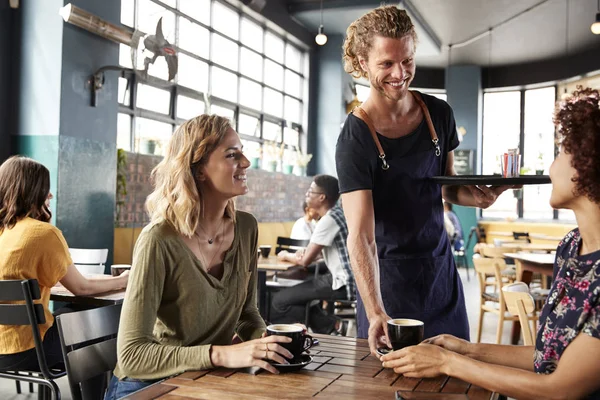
{"x":148,"y":146}
{"x":302,"y":160}
{"x":539,"y":165}
{"x":289,"y":160}
{"x":273,"y":155}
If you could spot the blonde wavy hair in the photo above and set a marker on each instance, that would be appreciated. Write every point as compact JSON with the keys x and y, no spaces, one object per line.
{"x":177,"y":198}
{"x":386,"y":21}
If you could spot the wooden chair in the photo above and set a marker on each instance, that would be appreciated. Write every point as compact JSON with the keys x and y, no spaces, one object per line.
{"x":522,"y":236}
{"x":89,"y":261}
{"x":89,"y":346}
{"x":521,"y":304}
{"x":289,"y":244}
{"x":33,"y":315}
{"x":492,"y":302}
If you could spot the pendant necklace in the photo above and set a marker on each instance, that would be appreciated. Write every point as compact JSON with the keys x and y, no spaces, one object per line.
{"x":211,"y":240}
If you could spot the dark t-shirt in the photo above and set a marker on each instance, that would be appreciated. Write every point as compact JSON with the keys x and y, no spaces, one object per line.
{"x":400,"y":229}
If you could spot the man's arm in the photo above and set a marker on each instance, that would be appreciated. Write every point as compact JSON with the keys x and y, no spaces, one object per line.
{"x":358,"y":209}
{"x":471,"y":196}
{"x":303,"y":257}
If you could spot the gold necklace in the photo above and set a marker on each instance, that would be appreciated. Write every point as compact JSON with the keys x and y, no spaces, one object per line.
{"x":207,"y":265}
{"x":210,"y":239}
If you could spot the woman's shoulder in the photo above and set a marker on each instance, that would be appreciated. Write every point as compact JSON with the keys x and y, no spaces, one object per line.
{"x":245,"y":220}
{"x":568,"y":246}
{"x":30,"y":228}
{"x":157,"y":232}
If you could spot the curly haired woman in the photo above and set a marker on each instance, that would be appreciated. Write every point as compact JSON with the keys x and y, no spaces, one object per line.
{"x":563,"y":364}
{"x":193,"y":281}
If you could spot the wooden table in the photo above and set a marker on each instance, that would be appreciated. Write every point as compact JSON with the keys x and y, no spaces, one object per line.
{"x":548,"y":247}
{"x":264,"y":265}
{"x":60,"y":293}
{"x":342,"y":368}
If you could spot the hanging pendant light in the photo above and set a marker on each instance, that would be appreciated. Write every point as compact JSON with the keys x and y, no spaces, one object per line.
{"x":321,"y":37}
{"x":596,"y":25}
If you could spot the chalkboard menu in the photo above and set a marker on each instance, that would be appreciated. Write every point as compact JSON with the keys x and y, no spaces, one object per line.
{"x":463,"y":162}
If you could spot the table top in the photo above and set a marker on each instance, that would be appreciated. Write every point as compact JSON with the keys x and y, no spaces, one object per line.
{"x":273,"y":264}
{"x":342,"y":368}
{"x":61,"y":293}
{"x":536,"y":258}
{"x":532,"y":246}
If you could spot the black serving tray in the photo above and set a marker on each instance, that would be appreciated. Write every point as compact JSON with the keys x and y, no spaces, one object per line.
{"x":491,"y":180}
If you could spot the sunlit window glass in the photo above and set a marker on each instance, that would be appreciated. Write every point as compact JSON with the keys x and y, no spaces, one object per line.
{"x":251,"y":64}
{"x":292,"y":110}
{"x":123,"y":92}
{"x":249,"y":125}
{"x":273,"y":102}
{"x":224,"y":84}
{"x":250,"y":94}
{"x":154,"y":99}
{"x":226,"y":20}
{"x":271,"y":131}
{"x":292,"y":83}
{"x":188,"y":108}
{"x":225,"y":52}
{"x":127,"y":11}
{"x":193,"y":38}
{"x":251,"y":35}
{"x":197,"y":9}
{"x":274,"y":47}
{"x":291,"y":137}
{"x":193,"y":73}
{"x":149,"y":13}
{"x":501,"y":131}
{"x":224,"y":112}
{"x":362,"y":92}
{"x":124,"y":132}
{"x":125,"y":56}
{"x":152,"y":136}
{"x":293,"y":57}
{"x":273,"y":74}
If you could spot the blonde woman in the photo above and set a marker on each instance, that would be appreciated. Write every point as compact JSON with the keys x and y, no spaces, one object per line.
{"x":193,"y":281}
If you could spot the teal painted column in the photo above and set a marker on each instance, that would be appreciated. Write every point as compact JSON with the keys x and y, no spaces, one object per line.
{"x":465,"y":95}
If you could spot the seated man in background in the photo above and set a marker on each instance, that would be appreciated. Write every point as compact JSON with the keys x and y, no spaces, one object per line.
{"x":328,"y":238}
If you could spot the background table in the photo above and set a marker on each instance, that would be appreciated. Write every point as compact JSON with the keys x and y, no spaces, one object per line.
{"x":60,"y":293}
{"x":342,"y":368}
{"x":264,"y":265}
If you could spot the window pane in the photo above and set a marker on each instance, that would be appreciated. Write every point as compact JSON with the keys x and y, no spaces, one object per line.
{"x":501,"y":130}
{"x":292,"y":83}
{"x":148,"y":15}
{"x":292,"y":109}
{"x":251,"y":64}
{"x":273,"y":74}
{"x":127,"y":12}
{"x":250,"y":94}
{"x":293,"y":58}
{"x":274,"y":47}
{"x":152,"y":136}
{"x":224,"y":84}
{"x":251,"y":149}
{"x":249,"y":125}
{"x":272,"y":103}
{"x":193,"y":73}
{"x":290,"y":137}
{"x":362,"y":92}
{"x":123,"y":92}
{"x":538,"y":152}
{"x":224,"y":112}
{"x":226,"y":20}
{"x":271,"y":131}
{"x":125,"y":56}
{"x":225,"y":52}
{"x":252,"y":35}
{"x":153,"y":99}
{"x":188,"y":108}
{"x":193,"y":38}
{"x":197,"y":9}
{"x":566,"y":215}
{"x":124,"y":132}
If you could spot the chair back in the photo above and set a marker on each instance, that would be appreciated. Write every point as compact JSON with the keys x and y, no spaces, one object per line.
{"x":289,"y":244}
{"x":89,"y":261}
{"x":497,"y":251}
{"x":490,"y":267}
{"x":89,"y":346}
{"x":28,"y":313}
{"x":520,"y":303}
{"x":524,"y":236}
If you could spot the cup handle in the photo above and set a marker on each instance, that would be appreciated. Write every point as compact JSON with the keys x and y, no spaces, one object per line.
{"x":308,"y":342}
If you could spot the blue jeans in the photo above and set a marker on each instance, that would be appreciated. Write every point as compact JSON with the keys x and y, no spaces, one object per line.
{"x":121,"y":388}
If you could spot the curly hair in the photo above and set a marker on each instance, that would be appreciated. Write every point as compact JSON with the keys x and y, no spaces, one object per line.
{"x":386,"y":21}
{"x":177,"y":198}
{"x":578,"y":129}
{"x":24,"y":189}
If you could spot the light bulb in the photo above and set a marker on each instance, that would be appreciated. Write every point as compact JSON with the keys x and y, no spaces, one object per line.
{"x":596,"y":25}
{"x":321,"y":37}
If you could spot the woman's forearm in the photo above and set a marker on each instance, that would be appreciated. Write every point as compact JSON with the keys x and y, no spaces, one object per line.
{"x":510,"y":356}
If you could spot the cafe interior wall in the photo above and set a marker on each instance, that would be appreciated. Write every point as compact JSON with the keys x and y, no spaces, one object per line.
{"x":7,"y":51}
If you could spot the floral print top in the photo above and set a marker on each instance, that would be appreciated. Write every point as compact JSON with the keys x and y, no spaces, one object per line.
{"x":573,"y":305}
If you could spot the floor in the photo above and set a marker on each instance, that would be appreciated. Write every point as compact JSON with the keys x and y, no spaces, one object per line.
{"x":471,"y":288}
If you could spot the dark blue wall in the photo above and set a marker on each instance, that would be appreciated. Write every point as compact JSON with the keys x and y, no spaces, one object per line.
{"x":8,"y":37}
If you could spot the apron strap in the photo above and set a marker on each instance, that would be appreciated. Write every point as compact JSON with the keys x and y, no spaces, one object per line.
{"x":360,"y":113}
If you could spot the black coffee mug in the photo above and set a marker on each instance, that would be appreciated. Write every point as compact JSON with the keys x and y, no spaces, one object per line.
{"x":405,"y":332}
{"x":265,"y":250}
{"x":300,"y":340}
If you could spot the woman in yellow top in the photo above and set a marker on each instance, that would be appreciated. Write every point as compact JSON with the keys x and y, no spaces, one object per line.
{"x":31,"y":248}
{"x":193,"y":281}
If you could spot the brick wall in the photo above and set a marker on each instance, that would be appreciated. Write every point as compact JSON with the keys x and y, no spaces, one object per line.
{"x":273,"y":196}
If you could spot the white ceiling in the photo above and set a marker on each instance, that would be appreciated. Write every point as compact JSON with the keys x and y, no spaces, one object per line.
{"x":538,"y":34}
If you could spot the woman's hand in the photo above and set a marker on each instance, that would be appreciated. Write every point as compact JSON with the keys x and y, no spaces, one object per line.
{"x":422,"y":361}
{"x":252,"y":353}
{"x":451,"y":343}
